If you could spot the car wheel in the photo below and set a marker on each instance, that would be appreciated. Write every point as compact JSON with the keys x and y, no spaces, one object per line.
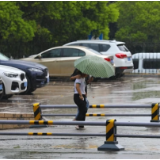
{"x":118,"y":75}
{"x":95,"y":79}
{"x":5,"y":96}
{"x":32,"y":90}
{"x":1,"y":95}
{"x":113,"y":78}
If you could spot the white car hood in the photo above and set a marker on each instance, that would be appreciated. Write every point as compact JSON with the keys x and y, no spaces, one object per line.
{"x":10,"y":69}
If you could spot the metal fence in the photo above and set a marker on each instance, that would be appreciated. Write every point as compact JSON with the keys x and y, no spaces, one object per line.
{"x":38,"y":115}
{"x":148,"y":63}
{"x":111,"y":135}
{"x":136,"y":47}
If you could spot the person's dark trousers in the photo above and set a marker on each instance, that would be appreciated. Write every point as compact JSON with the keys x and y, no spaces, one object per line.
{"x":81,"y":107}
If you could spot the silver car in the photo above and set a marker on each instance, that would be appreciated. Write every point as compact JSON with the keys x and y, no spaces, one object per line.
{"x":60,"y":60}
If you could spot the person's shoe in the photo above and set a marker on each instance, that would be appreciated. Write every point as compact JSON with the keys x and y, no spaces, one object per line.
{"x":79,"y":128}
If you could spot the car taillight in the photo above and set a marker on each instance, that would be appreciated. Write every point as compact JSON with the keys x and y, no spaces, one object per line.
{"x":107,"y":59}
{"x":121,"y":55}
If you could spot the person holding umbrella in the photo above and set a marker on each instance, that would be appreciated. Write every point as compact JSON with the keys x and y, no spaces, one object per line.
{"x":88,"y":80}
{"x":80,"y":98}
{"x":88,"y":65}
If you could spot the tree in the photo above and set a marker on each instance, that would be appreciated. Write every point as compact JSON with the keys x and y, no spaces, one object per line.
{"x":140,"y":22}
{"x":61,"y":21}
{"x":13,"y":25}
{"x":28,"y":27}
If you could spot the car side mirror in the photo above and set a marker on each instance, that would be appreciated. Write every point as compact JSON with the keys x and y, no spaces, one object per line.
{"x":39,"y":57}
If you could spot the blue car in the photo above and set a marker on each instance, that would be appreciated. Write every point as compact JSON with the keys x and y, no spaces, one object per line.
{"x":37,"y":75}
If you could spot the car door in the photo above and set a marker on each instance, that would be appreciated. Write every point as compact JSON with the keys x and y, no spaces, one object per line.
{"x":69,"y":55}
{"x":51,"y":59}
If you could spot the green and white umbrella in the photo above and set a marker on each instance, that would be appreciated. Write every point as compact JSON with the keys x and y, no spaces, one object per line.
{"x":95,"y":66}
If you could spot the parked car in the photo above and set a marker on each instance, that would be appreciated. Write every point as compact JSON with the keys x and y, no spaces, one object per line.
{"x":60,"y":60}
{"x":1,"y":89}
{"x":37,"y":75}
{"x":146,"y":62}
{"x":122,"y":56}
{"x":13,"y":81}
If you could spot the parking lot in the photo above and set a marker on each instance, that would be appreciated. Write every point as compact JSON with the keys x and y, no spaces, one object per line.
{"x":127,"y":90}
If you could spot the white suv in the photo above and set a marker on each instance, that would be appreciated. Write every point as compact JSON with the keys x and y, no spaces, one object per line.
{"x":13,"y":81}
{"x":122,"y":56}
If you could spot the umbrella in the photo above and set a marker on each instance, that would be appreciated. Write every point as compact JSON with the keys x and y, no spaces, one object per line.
{"x":95,"y":66}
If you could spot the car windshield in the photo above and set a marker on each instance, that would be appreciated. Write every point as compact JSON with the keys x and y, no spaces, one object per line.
{"x":94,"y":51}
{"x":3,"y":57}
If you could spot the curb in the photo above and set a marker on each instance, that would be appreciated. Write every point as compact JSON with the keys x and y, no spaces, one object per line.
{"x":15,"y":116}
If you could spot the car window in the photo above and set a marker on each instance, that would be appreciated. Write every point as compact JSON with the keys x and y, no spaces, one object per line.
{"x":122,"y":47}
{"x":104,"y":47}
{"x":72,"y":52}
{"x":151,"y":63}
{"x":3,"y":57}
{"x":52,"y":53}
{"x":91,"y":45}
{"x":94,"y":46}
{"x":135,"y":63}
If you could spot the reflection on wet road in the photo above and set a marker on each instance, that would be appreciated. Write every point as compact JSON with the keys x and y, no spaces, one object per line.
{"x":128,"y":90}
{"x":123,"y":91}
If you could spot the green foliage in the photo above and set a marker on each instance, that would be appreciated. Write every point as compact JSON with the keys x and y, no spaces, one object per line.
{"x":12,"y":24}
{"x":29,"y":24}
{"x":139,"y":22}
{"x":71,"y":20}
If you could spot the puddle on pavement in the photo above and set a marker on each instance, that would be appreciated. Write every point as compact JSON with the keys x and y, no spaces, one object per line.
{"x":121,"y":91}
{"x":125,"y":91}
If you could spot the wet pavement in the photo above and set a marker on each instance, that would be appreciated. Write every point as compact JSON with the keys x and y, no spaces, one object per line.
{"x":127,"y":90}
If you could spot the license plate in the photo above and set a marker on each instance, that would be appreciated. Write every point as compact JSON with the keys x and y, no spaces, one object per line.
{"x":111,"y":61}
{"x":25,"y":84}
{"x":129,"y":58}
{"x":1,"y":87}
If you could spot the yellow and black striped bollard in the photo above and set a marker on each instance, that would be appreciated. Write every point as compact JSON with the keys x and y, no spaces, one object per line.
{"x":155,"y":112}
{"x":37,"y":115}
{"x":37,"y":111}
{"x":110,"y":143}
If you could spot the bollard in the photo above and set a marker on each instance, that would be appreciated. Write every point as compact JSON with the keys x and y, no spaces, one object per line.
{"x":37,"y":115}
{"x":155,"y":112}
{"x":37,"y":111}
{"x":111,"y":141}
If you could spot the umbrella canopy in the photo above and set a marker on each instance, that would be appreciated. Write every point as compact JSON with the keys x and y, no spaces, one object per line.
{"x":95,"y":66}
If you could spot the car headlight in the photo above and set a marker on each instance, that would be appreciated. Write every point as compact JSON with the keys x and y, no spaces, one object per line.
{"x":11,"y":75}
{"x":35,"y":70}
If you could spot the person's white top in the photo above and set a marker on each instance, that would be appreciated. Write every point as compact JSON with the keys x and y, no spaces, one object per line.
{"x":82,"y":82}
